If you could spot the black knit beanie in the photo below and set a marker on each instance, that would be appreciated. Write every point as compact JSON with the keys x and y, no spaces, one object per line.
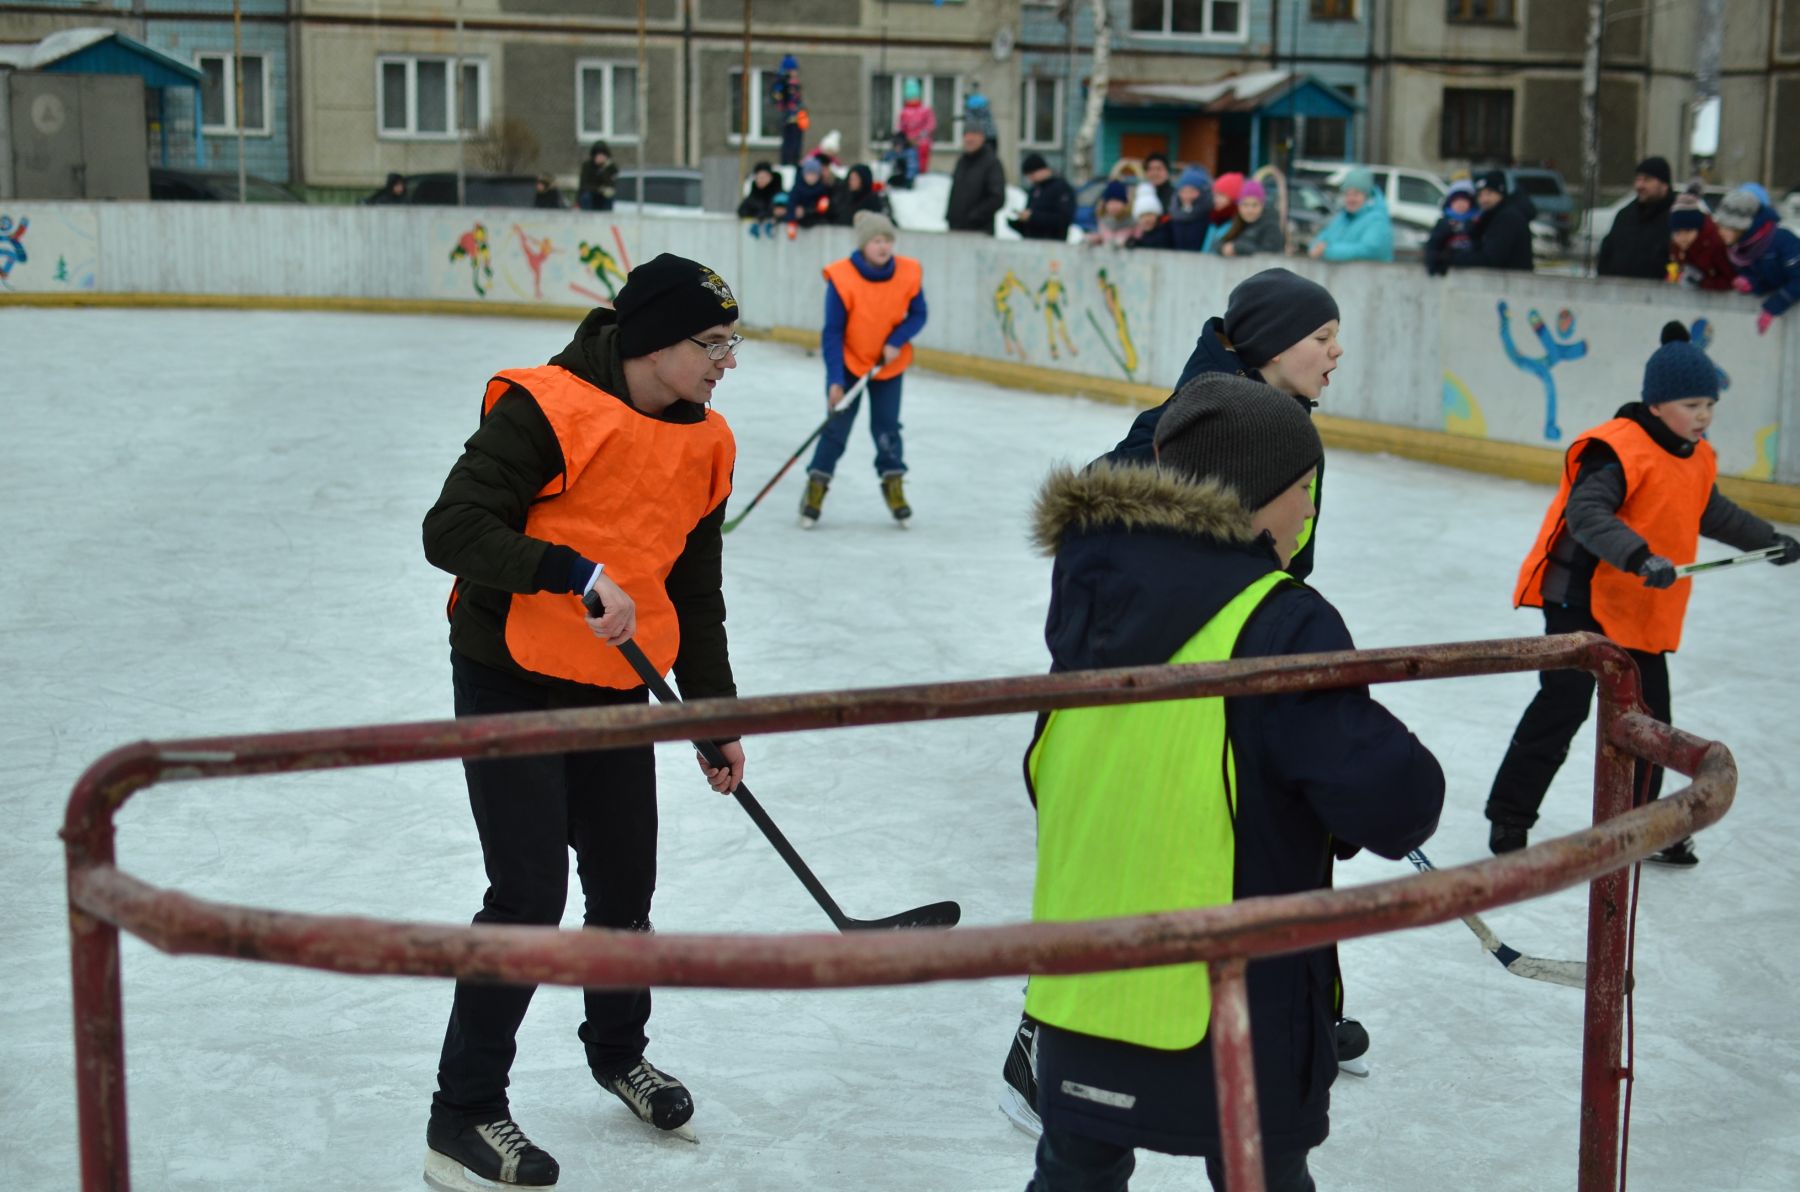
{"x":1271,"y":311}
{"x":1250,"y":437}
{"x":1654,"y":167}
{"x":667,"y":300}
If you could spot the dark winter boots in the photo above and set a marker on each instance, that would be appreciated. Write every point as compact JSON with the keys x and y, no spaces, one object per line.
{"x":893,"y":490}
{"x":812,"y":501}
{"x":471,"y":1158}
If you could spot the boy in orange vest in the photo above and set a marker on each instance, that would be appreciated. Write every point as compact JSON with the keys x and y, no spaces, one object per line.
{"x":874,"y":305}
{"x":1637,"y":492}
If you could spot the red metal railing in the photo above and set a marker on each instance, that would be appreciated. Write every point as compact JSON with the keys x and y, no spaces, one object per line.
{"x":103,"y":899}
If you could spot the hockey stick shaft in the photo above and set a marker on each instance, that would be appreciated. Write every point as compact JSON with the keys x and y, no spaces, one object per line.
{"x":1572,"y":973}
{"x":940,"y":914}
{"x":1755,"y":556}
{"x":855,"y":392}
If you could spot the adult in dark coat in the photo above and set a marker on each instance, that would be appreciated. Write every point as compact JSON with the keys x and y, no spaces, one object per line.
{"x":1638,"y":245}
{"x":977,"y":187}
{"x":1049,"y":206}
{"x":759,"y":200}
{"x":1144,"y":558}
{"x":855,"y":192}
{"x":392,"y":191}
{"x":1501,"y":231}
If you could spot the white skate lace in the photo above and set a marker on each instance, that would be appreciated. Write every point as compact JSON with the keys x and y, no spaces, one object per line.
{"x":506,"y":1138}
{"x":644,"y":1080}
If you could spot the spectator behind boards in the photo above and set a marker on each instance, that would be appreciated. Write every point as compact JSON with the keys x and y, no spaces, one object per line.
{"x":1049,"y":206}
{"x":978,"y":186}
{"x":1361,"y":229}
{"x":1765,"y":254}
{"x":1638,"y":243}
{"x":1501,"y":230}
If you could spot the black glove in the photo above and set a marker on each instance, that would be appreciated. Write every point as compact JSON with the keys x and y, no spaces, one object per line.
{"x":1658,"y":572}
{"x":1790,"y":550}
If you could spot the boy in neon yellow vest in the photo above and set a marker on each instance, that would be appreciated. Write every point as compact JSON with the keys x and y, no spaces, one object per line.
{"x":1184,"y":803}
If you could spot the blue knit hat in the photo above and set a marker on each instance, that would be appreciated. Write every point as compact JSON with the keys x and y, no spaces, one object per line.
{"x":1679,"y":369}
{"x":1195,"y":177}
{"x":1115,"y":190}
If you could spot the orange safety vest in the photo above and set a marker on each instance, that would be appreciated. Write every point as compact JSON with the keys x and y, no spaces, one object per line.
{"x":874,"y":309}
{"x":631,"y":490}
{"x":1665,"y":497}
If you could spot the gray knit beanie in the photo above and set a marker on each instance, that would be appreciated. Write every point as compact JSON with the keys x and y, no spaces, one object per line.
{"x":1271,"y":311}
{"x":1738,"y":210}
{"x":1250,"y":437}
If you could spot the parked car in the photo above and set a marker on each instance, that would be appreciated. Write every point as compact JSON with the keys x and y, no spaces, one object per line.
{"x":479,"y":190}
{"x":663,"y":187}
{"x":215,"y":186}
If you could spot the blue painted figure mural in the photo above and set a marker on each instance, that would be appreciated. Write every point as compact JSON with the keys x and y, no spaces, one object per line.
{"x":12,"y":251}
{"x":1558,"y":347}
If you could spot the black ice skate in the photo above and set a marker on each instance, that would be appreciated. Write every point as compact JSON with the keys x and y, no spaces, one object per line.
{"x":655,"y":1096}
{"x":1680,"y":855}
{"x":482,"y":1157}
{"x":1504,"y":838}
{"x":1352,"y":1043}
{"x":893,"y":490}
{"x":1018,"y":1096}
{"x":812,"y":501}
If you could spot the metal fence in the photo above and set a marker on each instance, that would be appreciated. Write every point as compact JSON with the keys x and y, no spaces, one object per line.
{"x":104,"y":899}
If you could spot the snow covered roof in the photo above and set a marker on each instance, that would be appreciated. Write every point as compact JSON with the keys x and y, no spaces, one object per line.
{"x":122,"y":56}
{"x":62,"y":43}
{"x":1233,"y":93}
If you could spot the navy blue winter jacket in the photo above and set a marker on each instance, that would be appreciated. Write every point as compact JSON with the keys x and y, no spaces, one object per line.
{"x":1143,"y":561}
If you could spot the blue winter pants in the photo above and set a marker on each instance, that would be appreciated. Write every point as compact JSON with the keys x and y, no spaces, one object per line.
{"x":884,"y":427}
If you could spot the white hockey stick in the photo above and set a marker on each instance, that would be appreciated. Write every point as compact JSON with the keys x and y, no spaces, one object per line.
{"x":1755,"y":556}
{"x":1572,"y":973}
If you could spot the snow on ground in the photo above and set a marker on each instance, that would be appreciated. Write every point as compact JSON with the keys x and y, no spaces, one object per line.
{"x":212,"y":527}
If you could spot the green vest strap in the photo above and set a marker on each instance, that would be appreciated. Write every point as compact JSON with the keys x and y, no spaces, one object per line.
{"x":1136,"y":805}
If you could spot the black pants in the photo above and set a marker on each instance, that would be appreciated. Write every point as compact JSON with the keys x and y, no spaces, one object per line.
{"x":1069,"y":1162}
{"x":1555,"y":715}
{"x":530,"y":811}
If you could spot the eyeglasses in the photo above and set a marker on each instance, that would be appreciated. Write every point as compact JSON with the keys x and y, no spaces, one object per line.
{"x":719,"y":351}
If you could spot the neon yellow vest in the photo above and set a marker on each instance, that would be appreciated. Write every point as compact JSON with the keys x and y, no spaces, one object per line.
{"x":1136,"y":805}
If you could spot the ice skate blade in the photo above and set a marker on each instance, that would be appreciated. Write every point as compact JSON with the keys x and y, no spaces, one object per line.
{"x":809,"y":523}
{"x":447,"y":1175}
{"x":1355,"y":1067}
{"x":1023,"y":1117}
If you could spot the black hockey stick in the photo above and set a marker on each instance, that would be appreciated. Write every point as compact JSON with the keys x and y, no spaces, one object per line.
{"x":855,"y":392}
{"x":938,"y":914}
{"x":1572,"y":973}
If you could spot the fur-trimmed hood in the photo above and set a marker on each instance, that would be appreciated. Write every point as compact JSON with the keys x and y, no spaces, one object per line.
{"x":1144,"y":558}
{"x":1129,"y":497}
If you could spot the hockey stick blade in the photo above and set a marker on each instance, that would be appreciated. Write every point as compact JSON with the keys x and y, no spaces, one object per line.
{"x":1572,"y":973}
{"x":937,"y":914}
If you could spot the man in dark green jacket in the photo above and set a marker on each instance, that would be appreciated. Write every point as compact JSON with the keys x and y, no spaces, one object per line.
{"x":604,"y":471}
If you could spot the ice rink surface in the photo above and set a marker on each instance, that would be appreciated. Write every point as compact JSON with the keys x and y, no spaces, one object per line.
{"x":211,"y":523}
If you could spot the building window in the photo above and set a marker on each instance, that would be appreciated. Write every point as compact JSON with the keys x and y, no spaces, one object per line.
{"x":1477,"y":124}
{"x":1334,"y":10}
{"x":606,"y":106}
{"x":765,"y":117}
{"x":218,"y":94}
{"x":1189,"y":18}
{"x":430,"y":97}
{"x":1326,"y":137}
{"x":942,"y":93}
{"x":1479,"y":12}
{"x":1041,"y":114}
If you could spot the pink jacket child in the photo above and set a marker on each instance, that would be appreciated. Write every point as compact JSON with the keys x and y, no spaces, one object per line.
{"x":917,"y":123}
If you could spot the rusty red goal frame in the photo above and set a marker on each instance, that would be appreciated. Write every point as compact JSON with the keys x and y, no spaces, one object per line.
{"x":103,"y":899}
